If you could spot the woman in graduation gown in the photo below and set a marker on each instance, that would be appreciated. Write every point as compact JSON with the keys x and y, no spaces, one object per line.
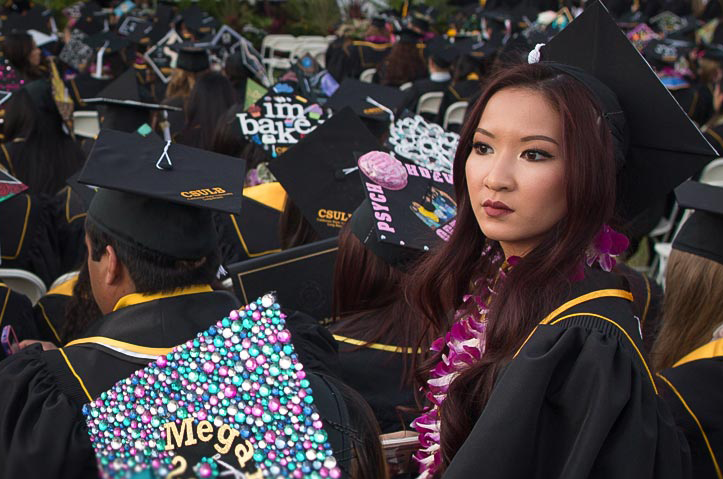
{"x":377,"y":346}
{"x":540,"y":372}
{"x":689,"y":350}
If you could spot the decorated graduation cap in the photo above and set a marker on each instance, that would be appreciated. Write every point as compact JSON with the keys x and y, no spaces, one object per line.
{"x":442,"y":53}
{"x":162,"y":57}
{"x":666,"y":51}
{"x":319,"y":173}
{"x":232,"y":402}
{"x":9,"y":186}
{"x":76,"y":52}
{"x":192,"y":57}
{"x":423,"y":143}
{"x":136,"y":29}
{"x":280,"y":119}
{"x":408,"y":209}
{"x":657,"y":145}
{"x":368,"y":100}
{"x":641,"y":34}
{"x":159,"y":195}
{"x":198,"y":22}
{"x":701,"y":234}
{"x":670,"y":24}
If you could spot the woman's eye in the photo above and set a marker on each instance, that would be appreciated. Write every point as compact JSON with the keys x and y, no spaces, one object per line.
{"x":481,"y":148}
{"x":536,"y":155}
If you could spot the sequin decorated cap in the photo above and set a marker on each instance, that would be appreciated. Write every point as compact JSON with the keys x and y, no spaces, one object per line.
{"x":232,"y":402}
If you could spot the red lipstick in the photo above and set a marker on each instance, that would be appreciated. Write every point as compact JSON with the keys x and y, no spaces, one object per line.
{"x":496,"y":209}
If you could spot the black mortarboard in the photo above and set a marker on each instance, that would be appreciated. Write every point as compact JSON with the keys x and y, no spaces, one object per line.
{"x":355,"y":94}
{"x":32,"y":19}
{"x":666,"y":51}
{"x":91,"y":20}
{"x":668,"y":23}
{"x":280,"y":119}
{"x":159,"y":194}
{"x":407,"y":35}
{"x":136,"y":30}
{"x":118,"y":111}
{"x":421,"y":21}
{"x":197,"y":21}
{"x":659,"y":144}
{"x":701,"y":234}
{"x":319,"y":175}
{"x":379,"y":22}
{"x":301,"y":277}
{"x":191,"y":57}
{"x":161,"y":55}
{"x":85,"y":85}
{"x":76,"y":52}
{"x":408,"y":209}
{"x":257,"y":227}
{"x":442,"y":52}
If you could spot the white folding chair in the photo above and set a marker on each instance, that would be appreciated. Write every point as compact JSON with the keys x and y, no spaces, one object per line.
{"x":269,"y":40}
{"x":405,"y":86}
{"x":712,"y":172}
{"x":367,"y":75}
{"x":86,"y":123}
{"x":23,"y":282}
{"x":454,"y":114}
{"x":429,"y":102}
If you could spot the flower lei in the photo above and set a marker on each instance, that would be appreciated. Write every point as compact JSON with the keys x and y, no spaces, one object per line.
{"x":465,"y":345}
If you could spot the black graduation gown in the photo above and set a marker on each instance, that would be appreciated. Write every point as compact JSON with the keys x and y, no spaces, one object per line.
{"x":42,"y":430}
{"x":647,"y":304}
{"x":419,"y":88}
{"x":376,"y":371}
{"x":692,"y":389}
{"x":69,"y":211}
{"x":364,"y":55}
{"x":461,"y":91}
{"x":338,"y":59}
{"x":253,"y":233}
{"x":578,"y":400}
{"x":28,"y":237}
{"x":697,"y":101}
{"x":49,"y":312}
{"x":16,"y":311}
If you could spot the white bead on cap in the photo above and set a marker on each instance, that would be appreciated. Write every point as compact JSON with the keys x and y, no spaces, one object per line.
{"x":534,"y":55}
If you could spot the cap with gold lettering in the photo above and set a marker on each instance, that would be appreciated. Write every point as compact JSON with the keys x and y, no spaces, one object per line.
{"x":159,"y":195}
{"x":368,"y":100}
{"x":319,"y":173}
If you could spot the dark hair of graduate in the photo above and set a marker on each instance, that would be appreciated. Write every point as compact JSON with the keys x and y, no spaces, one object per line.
{"x":81,"y":310}
{"x":367,"y":455}
{"x":368,"y":301}
{"x":150,"y":271}
{"x":210,"y":98}
{"x":237,"y":74}
{"x":402,"y":65}
{"x":468,"y":68}
{"x":17,"y":47}
{"x":45,"y":156}
{"x":228,"y":140}
{"x":692,"y":305}
{"x":540,"y":281}
{"x":294,"y":229}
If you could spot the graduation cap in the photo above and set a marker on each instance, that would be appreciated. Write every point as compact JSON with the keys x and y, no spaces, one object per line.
{"x":280,"y":119}
{"x":666,"y":51}
{"x":664,"y":147}
{"x":161,"y":56}
{"x":379,"y":22}
{"x":407,"y":35}
{"x":136,"y":29}
{"x":9,"y":186}
{"x":198,"y":22}
{"x":668,"y":23}
{"x":640,"y":35}
{"x":368,"y":100}
{"x":246,"y":57}
{"x":442,"y":52}
{"x":256,"y":415}
{"x":76,"y":52}
{"x":701,"y":233}
{"x":85,"y":85}
{"x":121,"y":105}
{"x":409,"y":207}
{"x":421,"y":21}
{"x":92,"y":19}
{"x":32,"y":19}
{"x":301,"y":277}
{"x":319,"y":175}
{"x":423,"y":143}
{"x":192,"y":57}
{"x":159,"y":194}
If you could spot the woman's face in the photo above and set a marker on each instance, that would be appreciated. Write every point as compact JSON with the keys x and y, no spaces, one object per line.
{"x":515,"y":171}
{"x":34,"y":57}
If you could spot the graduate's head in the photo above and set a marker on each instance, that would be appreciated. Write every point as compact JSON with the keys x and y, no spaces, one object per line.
{"x":118,"y":266}
{"x":535,"y":165}
{"x":21,"y":51}
{"x":150,"y":225}
{"x":693,"y":277}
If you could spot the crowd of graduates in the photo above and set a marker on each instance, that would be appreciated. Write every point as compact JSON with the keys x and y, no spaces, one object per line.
{"x":331,"y":263}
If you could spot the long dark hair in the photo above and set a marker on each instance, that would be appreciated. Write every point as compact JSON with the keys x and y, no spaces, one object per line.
{"x":228,"y":139}
{"x":17,"y":47}
{"x":402,"y":65}
{"x":81,"y":310}
{"x":537,"y":284}
{"x":45,"y":155}
{"x":372,"y":307}
{"x":210,"y":98}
